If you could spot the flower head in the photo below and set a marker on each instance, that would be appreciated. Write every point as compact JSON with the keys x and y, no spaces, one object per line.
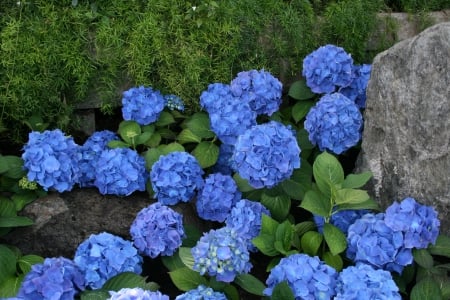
{"x":364,"y":282}
{"x":120,"y":171}
{"x":218,"y":195}
{"x":202,"y":293}
{"x":103,"y":256}
{"x":259,"y":89}
{"x":308,"y":277}
{"x":221,"y":253}
{"x":176,"y":177}
{"x":174,"y":102}
{"x":55,"y":278}
{"x":211,"y":99}
{"x":90,"y":153}
{"x":223,"y":164}
{"x":327,"y":67}
{"x":136,"y":294}
{"x":51,"y":159}
{"x":157,"y":229}
{"x":266,"y":154}
{"x":143,"y":105}
{"x":246,"y":218}
{"x":372,"y":242}
{"x":341,"y":219}
{"x":356,"y":91}
{"x":419,"y":223}
{"x":334,"y":123}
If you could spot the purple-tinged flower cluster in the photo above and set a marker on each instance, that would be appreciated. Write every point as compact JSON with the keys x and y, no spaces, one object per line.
{"x":55,"y":278}
{"x":218,"y":195}
{"x":327,"y":67}
{"x":103,"y":256}
{"x":334,"y":123}
{"x":308,"y":277}
{"x":266,"y":154}
{"x":90,"y":152}
{"x":246,"y":218}
{"x":157,"y":230}
{"x":136,"y":294}
{"x":120,"y":171}
{"x":142,"y":104}
{"x":176,"y":177}
{"x":341,"y":219}
{"x":174,"y":102}
{"x":364,"y":282}
{"x":51,"y":159}
{"x":223,"y":164}
{"x":419,"y":223}
{"x":372,"y":242}
{"x":260,"y":89}
{"x":202,"y":293}
{"x":356,"y":91}
{"x":221,"y":253}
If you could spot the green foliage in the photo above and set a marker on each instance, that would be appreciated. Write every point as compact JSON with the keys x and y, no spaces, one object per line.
{"x":417,"y":5}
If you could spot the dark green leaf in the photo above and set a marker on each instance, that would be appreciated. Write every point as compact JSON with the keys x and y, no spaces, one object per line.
{"x":118,"y":144}
{"x":16,"y":221}
{"x":151,"y":156}
{"x":282,"y":291}
{"x":193,"y":235}
{"x":143,"y":138}
{"x":334,"y":261}
{"x":242,"y":183}
{"x":231,"y":292}
{"x":300,"y":91}
{"x":303,"y":140}
{"x":3,"y":164}
{"x":10,"y":286}
{"x":311,"y":242}
{"x":7,"y":207}
{"x":172,"y":262}
{"x":165,"y":118}
{"x":354,"y":181}
{"x":15,"y":167}
{"x":199,"y":125}
{"x":328,"y":173}
{"x":25,"y":262}
{"x":441,"y":247}
{"x":94,"y":295}
{"x":303,"y":227}
{"x":278,"y":205}
{"x":250,"y":284}
{"x":351,"y":196}
{"x":206,"y":153}
{"x":316,"y":203}
{"x":187,"y":136}
{"x":186,"y":256}
{"x":154,"y":140}
{"x":171,"y":147}
{"x":423,"y":258}
{"x":284,"y":235}
{"x":426,"y":289}
{"x":301,"y":109}
{"x":128,"y":131}
{"x":7,"y":263}
{"x":368,"y":204}
{"x":128,"y":280}
{"x":299,"y":183}
{"x":186,"y":279}
{"x":22,"y":199}
{"x":335,"y":238}
{"x":266,"y":244}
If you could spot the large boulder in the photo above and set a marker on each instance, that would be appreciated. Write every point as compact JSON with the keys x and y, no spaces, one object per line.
{"x":406,"y":139}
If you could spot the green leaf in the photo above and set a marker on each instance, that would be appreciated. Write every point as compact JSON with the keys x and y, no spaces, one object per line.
{"x":118,"y":144}
{"x":303,"y":141}
{"x":193,"y":235}
{"x":128,"y":280}
{"x":268,"y":225}
{"x":266,"y":244}
{"x":423,"y":258}
{"x":300,"y":91}
{"x":21,"y":199}
{"x":165,"y":118}
{"x":282,"y":291}
{"x":143,"y":138}
{"x":335,"y":239}
{"x":200,"y":126}
{"x":334,"y":261}
{"x":10,"y":286}
{"x":172,"y":262}
{"x":154,"y":140}
{"x":3,"y":164}
{"x":278,"y":205}
{"x":94,"y":295}
{"x":250,"y":284}
{"x":186,"y":279}
{"x":441,"y":247}
{"x":7,"y":207}
{"x":299,"y":183}
{"x":16,"y":221}
{"x":328,"y":173}
{"x":171,"y":147}
{"x":303,"y":227}
{"x":354,"y":181}
{"x":301,"y":109}
{"x":187,"y":136}
{"x":151,"y":156}
{"x":15,"y":167}
{"x":426,"y":289}
{"x":284,"y":235}
{"x":25,"y":262}
{"x":242,"y":183}
{"x":128,"y":131}
{"x":311,"y":242}
{"x":7,"y":263}
{"x":316,"y":203}
{"x":368,"y":204}
{"x":352,"y":196}
{"x":186,"y":256}
{"x":206,"y":153}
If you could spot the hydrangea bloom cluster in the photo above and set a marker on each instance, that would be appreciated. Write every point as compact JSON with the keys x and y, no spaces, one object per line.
{"x":223,"y":164}
{"x":174,"y":102}
{"x":246,"y":218}
{"x":260,"y":89}
{"x":211,"y":99}
{"x":334,"y":123}
{"x":341,"y":219}
{"x":120,"y":171}
{"x":51,"y":159}
{"x":308,"y":277}
{"x":266,"y":154}
{"x":327,"y":67}
{"x":157,"y":229}
{"x":218,"y":195}
{"x":136,"y":294}
{"x":103,"y":256}
{"x":221,"y":253}
{"x":372,"y":242}
{"x":364,"y":282}
{"x":419,"y":223}
{"x":90,"y":152}
{"x":356,"y":91}
{"x":55,"y":278}
{"x":176,"y":177}
{"x":202,"y":293}
{"x":142,"y":104}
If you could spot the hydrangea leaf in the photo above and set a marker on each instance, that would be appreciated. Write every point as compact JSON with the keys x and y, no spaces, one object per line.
{"x":335,"y":239}
{"x":128,"y":280}
{"x":199,"y":124}
{"x":242,"y":183}
{"x":165,"y":118}
{"x":367,"y":204}
{"x":334,"y":261}
{"x":15,"y":221}
{"x":231,"y":292}
{"x":143,"y":138}
{"x":311,"y":242}
{"x":25,"y":262}
{"x":7,"y":207}
{"x":3,"y":164}
{"x":427,"y":288}
{"x":301,"y":109}
{"x":186,"y":256}
{"x":316,"y":203}
{"x":441,"y":247}
{"x":423,"y":258}
{"x":343,"y":196}
{"x":278,"y":205}
{"x":10,"y":286}
{"x":328,"y":173}
{"x":206,"y":153}
{"x":282,"y":291}
{"x":172,"y":262}
{"x":300,"y":182}
{"x":187,"y":136}
{"x":154,"y":140}
{"x":186,"y":279}
{"x":7,"y":263}
{"x":14,"y":167}
{"x":265,"y":243}
{"x":172,"y":147}
{"x":354,"y":181}
{"x":118,"y":144}
{"x":151,"y":156}
{"x":94,"y":295}
{"x":250,"y":283}
{"x":300,"y":91}
{"x":303,"y":227}
{"x":304,"y":142}
{"x":284,"y":235}
{"x":128,"y":130}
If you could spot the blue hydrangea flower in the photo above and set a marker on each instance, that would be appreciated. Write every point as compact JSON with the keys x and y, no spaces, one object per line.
{"x":371,"y":241}
{"x":334,"y":123}
{"x":246,"y":218}
{"x":364,"y":282}
{"x":90,"y":152}
{"x":176,"y":177}
{"x":341,"y":219}
{"x":218,"y":195}
{"x":221,"y":253}
{"x":260,"y":89}
{"x":202,"y":293}
{"x":142,"y":104}
{"x":120,"y":171}
{"x":51,"y":159}
{"x":356,"y":91}
{"x":308,"y":277}
{"x":327,"y":67}
{"x":157,"y":229}
{"x":223,"y":164}
{"x":55,"y":278}
{"x":103,"y":256}
{"x":174,"y":102}
{"x":419,"y":223}
{"x":136,"y":294}
{"x":211,"y":99}
{"x":266,"y":154}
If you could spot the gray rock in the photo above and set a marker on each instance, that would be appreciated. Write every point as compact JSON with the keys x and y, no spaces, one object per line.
{"x":406,"y":139}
